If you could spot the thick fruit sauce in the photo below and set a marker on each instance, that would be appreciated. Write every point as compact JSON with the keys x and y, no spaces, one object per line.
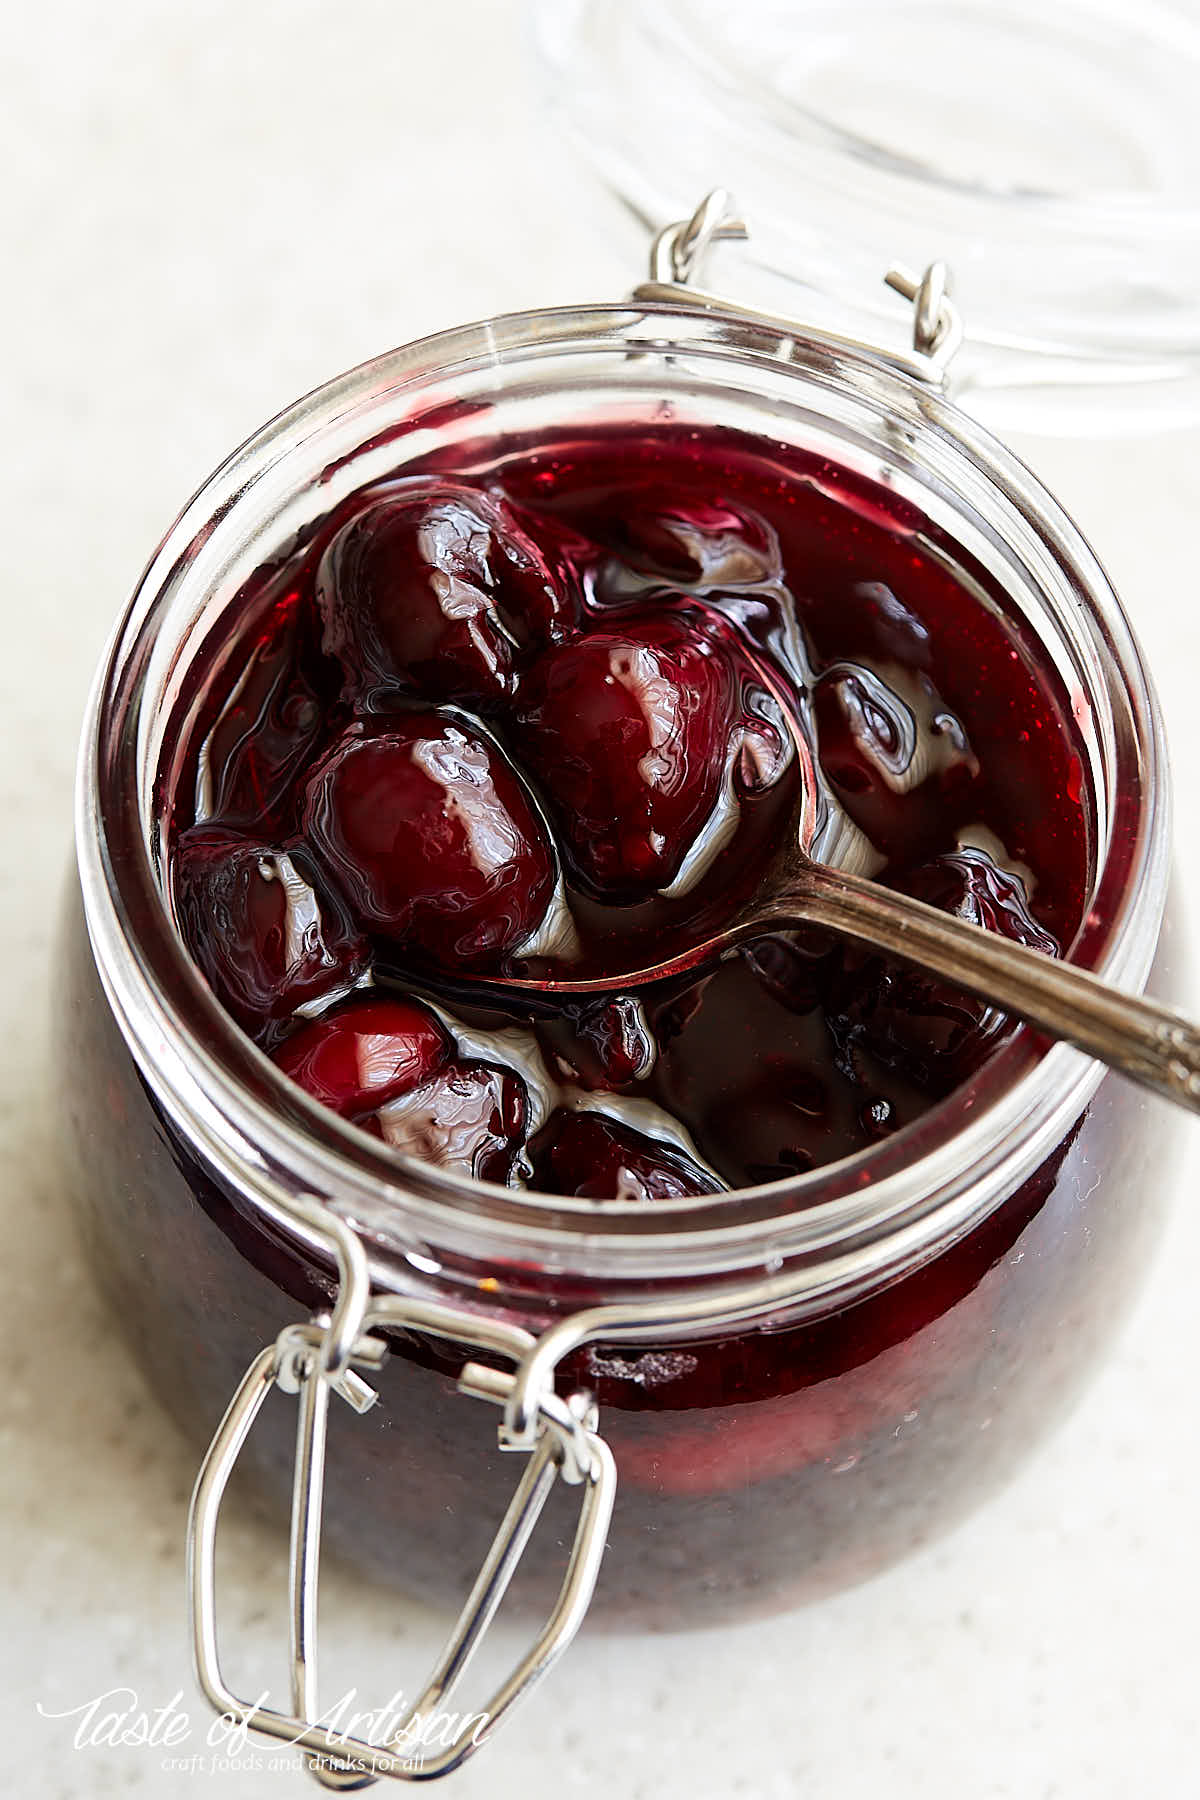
{"x":541,"y":713}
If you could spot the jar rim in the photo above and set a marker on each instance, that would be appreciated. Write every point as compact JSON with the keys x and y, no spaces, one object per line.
{"x":270,"y":1139}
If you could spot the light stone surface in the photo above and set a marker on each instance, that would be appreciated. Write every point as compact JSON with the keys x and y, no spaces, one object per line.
{"x":206,"y":210}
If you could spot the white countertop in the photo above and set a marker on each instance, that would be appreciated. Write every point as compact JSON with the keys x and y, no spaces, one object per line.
{"x":207,"y":210}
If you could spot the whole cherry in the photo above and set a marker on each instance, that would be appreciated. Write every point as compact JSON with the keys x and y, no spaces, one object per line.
{"x":266,"y":937}
{"x":365,"y":1052}
{"x":937,"y":1034}
{"x":426,"y":829}
{"x":470,"y":1117}
{"x":630,"y":730}
{"x":391,"y":1066}
{"x":596,"y":1157}
{"x":435,"y":589}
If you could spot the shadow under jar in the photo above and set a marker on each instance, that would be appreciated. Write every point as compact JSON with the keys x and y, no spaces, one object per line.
{"x":938,"y":1297}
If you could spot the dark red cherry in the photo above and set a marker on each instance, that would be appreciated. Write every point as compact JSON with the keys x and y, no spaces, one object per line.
{"x":364,"y":1053}
{"x":933,"y":1032}
{"x":899,"y":762}
{"x":875,"y":624}
{"x":269,"y":724}
{"x":613,"y":1043}
{"x":265,"y":937}
{"x":429,"y":834}
{"x":696,"y":546}
{"x":470,"y":1117}
{"x":596,"y":1157}
{"x":390,"y":1066}
{"x":435,"y":589}
{"x":627,"y":732}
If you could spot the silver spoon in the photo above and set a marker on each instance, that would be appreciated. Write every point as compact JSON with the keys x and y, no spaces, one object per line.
{"x":1152,"y":1044}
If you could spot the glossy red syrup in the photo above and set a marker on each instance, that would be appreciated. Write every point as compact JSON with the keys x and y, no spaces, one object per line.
{"x":542,"y":710}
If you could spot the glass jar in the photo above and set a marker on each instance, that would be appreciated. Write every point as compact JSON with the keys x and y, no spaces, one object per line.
{"x":798,"y":1382}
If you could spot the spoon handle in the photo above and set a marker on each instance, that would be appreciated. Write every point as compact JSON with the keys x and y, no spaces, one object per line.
{"x":1151,"y":1044}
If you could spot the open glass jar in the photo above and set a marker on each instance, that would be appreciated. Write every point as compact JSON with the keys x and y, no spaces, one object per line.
{"x":796,"y":1383}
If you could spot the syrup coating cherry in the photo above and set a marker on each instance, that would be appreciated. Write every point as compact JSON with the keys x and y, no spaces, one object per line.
{"x":269,"y":725}
{"x":628,"y":730}
{"x":612,"y":1043}
{"x":266,"y":938}
{"x":703,"y":545}
{"x":469,"y":1117}
{"x":365,"y":1053}
{"x":434,"y":589}
{"x":877,"y":627}
{"x":390,"y":1065}
{"x":429,"y":834}
{"x":936,"y":1033}
{"x":595,"y":1157}
{"x":899,"y":762}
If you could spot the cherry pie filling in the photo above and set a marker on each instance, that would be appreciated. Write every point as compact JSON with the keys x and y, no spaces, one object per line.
{"x":541,"y":713}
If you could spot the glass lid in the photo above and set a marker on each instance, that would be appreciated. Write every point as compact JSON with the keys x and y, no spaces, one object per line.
{"x":1048,"y":154}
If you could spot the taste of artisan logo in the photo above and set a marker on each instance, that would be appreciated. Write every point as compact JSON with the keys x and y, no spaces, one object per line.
{"x":117,"y":1719}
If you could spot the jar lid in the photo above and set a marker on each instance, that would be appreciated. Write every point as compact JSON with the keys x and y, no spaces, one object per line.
{"x":1048,"y":154}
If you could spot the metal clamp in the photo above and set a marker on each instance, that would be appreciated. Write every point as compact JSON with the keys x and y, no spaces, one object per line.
{"x":679,"y":250}
{"x":937,"y":326}
{"x":313,"y":1359}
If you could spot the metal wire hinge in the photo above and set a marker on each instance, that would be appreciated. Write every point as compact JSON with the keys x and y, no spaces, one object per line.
{"x":679,"y":250}
{"x":559,"y":1435}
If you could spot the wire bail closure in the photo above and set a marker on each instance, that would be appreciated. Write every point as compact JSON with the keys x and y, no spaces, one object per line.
{"x":316,"y":1358}
{"x":678,"y":253}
